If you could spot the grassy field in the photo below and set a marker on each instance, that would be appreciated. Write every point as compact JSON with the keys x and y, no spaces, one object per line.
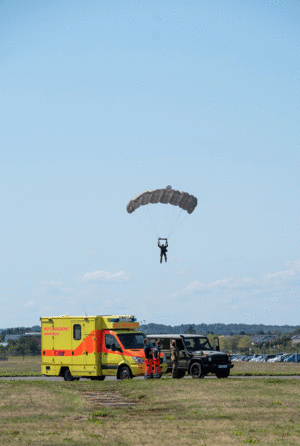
{"x":265,"y":369}
{"x":16,"y":366}
{"x":31,"y":366}
{"x":169,"y":412}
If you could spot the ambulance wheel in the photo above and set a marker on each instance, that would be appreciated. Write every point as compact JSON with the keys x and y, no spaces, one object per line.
{"x":125,"y":372}
{"x":68,"y":376}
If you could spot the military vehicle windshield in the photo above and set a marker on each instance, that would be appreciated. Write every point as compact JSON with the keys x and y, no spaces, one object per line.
{"x":194,"y":344}
{"x":133,"y":341}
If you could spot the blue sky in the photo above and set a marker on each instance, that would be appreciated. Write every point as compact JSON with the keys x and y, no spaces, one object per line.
{"x":101,"y":100}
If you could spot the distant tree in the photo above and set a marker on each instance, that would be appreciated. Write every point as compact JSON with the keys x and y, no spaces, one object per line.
{"x":225,"y":343}
{"x":33,"y":347}
{"x":242,"y":333}
{"x":190,"y":330}
{"x":3,"y":351}
{"x":233,"y":342}
{"x":244,"y":344}
{"x":20,"y":349}
{"x":260,"y":332}
{"x":296,"y":331}
{"x":211,"y":337}
{"x":284,"y":339}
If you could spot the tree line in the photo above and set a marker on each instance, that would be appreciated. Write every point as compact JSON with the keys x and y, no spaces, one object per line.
{"x":23,"y":345}
{"x":219,"y":329}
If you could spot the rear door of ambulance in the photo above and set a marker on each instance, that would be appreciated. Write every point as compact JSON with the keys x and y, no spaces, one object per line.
{"x":56,"y":343}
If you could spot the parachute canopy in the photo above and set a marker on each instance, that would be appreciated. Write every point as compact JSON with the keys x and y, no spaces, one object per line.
{"x":168,"y":195}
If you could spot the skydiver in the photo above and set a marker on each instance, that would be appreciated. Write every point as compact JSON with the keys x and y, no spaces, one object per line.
{"x":163,"y":250}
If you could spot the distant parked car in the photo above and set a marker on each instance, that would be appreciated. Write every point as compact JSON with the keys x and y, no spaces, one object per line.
{"x":281,"y":357}
{"x":268,"y":357}
{"x":258,"y":358}
{"x":235,"y":357}
{"x":255,"y":358}
{"x":293,"y":358}
{"x":288,"y":355}
{"x":276,"y":359}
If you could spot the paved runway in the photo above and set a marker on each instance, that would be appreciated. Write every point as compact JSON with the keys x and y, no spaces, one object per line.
{"x":113,"y":378}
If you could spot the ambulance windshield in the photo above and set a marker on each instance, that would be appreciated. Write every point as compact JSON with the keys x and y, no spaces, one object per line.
{"x":133,"y":341}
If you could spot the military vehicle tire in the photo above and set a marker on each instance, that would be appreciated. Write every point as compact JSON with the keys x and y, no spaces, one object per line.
{"x":125,"y":372}
{"x":68,"y":375}
{"x":196,"y":371}
{"x":180,"y":374}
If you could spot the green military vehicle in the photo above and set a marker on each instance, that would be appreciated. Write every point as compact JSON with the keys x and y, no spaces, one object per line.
{"x":196,"y":355}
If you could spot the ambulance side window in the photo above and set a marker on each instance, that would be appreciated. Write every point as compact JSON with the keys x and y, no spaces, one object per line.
{"x":77,"y":332}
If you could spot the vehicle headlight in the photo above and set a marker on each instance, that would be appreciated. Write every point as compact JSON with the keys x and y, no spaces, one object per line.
{"x":138,"y":360}
{"x":209,"y":358}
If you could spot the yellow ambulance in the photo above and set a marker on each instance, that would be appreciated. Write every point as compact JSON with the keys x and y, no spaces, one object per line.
{"x":93,"y":347}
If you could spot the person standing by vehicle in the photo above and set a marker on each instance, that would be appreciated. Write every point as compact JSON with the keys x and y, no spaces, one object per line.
{"x":174,"y":358}
{"x":148,"y":359}
{"x":156,"y":361}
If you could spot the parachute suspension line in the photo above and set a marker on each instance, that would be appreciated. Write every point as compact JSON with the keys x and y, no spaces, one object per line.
{"x":142,"y":223}
{"x":166,"y":219}
{"x":171,"y":219}
{"x":175,"y":223}
{"x":153,"y":223}
{"x":174,"y":230}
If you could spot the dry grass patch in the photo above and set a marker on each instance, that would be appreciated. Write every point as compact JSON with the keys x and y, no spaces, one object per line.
{"x":170,"y":412}
{"x":16,"y":366}
{"x":265,"y":368}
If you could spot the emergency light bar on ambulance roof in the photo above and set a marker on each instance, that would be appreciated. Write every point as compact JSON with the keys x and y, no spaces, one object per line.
{"x":122,"y":319}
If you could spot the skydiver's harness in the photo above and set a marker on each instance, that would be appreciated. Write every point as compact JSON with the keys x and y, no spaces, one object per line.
{"x":162,"y":248}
